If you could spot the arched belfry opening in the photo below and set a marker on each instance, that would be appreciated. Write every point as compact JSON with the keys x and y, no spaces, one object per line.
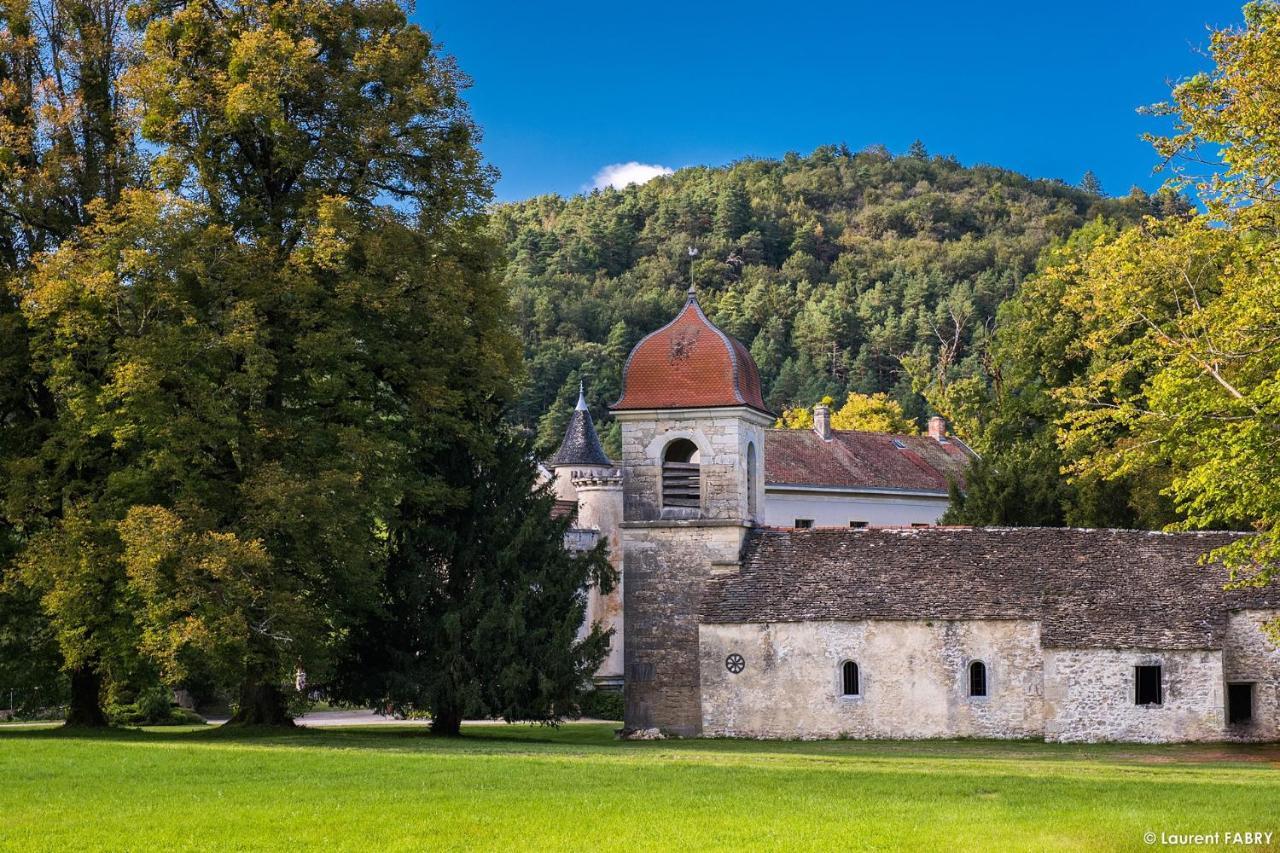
{"x":681,"y":475}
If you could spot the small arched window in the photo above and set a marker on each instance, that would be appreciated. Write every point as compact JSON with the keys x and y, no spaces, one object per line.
{"x":681,"y":478}
{"x":752,"y":477}
{"x":849,"y":679}
{"x":977,"y":678}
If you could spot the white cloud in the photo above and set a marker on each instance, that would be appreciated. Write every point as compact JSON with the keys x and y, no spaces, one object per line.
{"x":619,"y":175}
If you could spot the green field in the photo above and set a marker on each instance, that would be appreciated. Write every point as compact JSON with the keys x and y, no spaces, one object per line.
{"x":522,"y":787}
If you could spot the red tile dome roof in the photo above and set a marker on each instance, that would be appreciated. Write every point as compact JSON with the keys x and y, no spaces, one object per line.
{"x":690,"y":364}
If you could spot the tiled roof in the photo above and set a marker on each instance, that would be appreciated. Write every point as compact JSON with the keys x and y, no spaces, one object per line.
{"x":1088,"y":588}
{"x":581,"y":445}
{"x":863,"y":459}
{"x":690,"y":364}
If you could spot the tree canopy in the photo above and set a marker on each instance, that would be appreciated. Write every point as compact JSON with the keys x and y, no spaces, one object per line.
{"x":830,"y":267}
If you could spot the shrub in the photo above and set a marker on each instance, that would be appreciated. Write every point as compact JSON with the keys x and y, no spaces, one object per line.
{"x":152,"y":707}
{"x":602,"y":704}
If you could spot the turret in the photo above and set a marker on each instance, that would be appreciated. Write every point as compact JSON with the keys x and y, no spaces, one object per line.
{"x":585,"y":475}
{"x":580,"y":450}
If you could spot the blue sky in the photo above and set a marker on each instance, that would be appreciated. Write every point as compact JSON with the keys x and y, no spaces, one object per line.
{"x":563,"y":90}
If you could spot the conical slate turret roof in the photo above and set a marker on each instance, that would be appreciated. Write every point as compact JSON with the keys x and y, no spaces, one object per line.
{"x":581,"y":445}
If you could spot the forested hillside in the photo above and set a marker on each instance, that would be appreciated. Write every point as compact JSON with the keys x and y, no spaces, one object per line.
{"x":830,"y":267}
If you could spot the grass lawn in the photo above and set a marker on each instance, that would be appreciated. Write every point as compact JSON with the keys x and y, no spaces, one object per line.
{"x":522,"y":787}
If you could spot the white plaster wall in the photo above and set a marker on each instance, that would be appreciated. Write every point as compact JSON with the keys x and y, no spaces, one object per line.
{"x":914,"y":679}
{"x":1089,"y":696}
{"x":834,"y":510}
{"x":1249,"y":654}
{"x":600,"y":508}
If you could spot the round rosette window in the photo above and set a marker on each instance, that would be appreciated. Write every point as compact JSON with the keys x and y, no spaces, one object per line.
{"x":735,"y":663}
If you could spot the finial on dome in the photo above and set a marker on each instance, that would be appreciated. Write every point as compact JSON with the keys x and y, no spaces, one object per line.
{"x":582,"y":398}
{"x":692,"y":295}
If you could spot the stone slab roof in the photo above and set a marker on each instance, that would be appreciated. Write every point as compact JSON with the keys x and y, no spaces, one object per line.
{"x":853,"y":459}
{"x":1088,"y":588}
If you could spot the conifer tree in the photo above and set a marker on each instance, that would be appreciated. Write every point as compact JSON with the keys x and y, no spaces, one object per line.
{"x":482,"y":604}
{"x":733,"y":211}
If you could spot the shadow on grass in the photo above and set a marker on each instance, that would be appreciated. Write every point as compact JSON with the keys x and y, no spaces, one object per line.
{"x":599,"y":737}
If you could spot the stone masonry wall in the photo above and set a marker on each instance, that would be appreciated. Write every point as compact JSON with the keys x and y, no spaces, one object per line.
{"x":1089,"y":696}
{"x":667,"y":565}
{"x":1248,"y":655}
{"x":913,"y":679}
{"x":722,"y":437}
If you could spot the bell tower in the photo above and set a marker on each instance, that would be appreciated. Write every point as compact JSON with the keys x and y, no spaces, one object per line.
{"x":693,"y":421}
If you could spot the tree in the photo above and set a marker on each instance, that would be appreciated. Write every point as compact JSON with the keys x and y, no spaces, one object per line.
{"x":1019,"y":487}
{"x":733,"y":212}
{"x":66,"y":142}
{"x":1182,"y":343}
{"x":1091,"y":184}
{"x":482,"y":604}
{"x":866,"y":412}
{"x":1010,"y":413}
{"x":1230,"y":111}
{"x":917,"y":150}
{"x":267,"y":346}
{"x":1183,"y":360}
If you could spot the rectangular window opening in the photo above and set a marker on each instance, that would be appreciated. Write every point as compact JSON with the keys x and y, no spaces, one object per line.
{"x":804,"y":523}
{"x":1147,"y":685}
{"x":1240,"y":704}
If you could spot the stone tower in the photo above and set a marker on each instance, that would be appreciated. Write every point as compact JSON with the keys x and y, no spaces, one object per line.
{"x":586,"y":476}
{"x":693,"y":425}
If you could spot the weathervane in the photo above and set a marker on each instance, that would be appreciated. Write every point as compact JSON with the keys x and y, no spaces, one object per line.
{"x":693,"y":253}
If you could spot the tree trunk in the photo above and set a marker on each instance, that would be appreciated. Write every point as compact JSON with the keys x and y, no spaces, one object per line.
{"x":262,"y":705}
{"x":447,"y":723}
{"x":86,"y":699}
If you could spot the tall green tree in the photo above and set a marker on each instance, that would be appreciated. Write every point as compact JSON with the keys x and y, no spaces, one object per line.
{"x":266,"y":346}
{"x":1182,"y":341}
{"x":67,"y":143}
{"x":1010,"y":412}
{"x":482,"y":605}
{"x":733,"y":212}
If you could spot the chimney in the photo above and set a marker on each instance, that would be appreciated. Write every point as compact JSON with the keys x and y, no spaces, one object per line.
{"x":822,"y":421}
{"x":937,"y":428}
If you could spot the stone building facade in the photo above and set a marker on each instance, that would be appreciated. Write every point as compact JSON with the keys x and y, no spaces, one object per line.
{"x":739,"y":627}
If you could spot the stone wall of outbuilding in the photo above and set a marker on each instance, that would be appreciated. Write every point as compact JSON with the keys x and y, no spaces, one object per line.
{"x":1090,"y":696}
{"x":913,"y":679}
{"x":1249,"y":655}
